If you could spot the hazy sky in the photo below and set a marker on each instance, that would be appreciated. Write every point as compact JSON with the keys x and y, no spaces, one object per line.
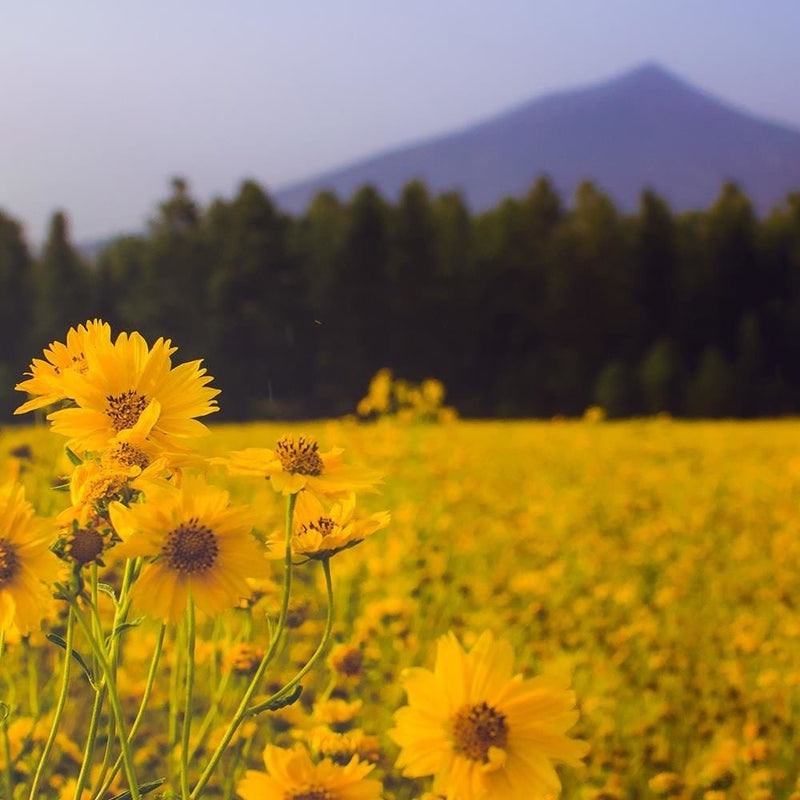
{"x":103,"y":101}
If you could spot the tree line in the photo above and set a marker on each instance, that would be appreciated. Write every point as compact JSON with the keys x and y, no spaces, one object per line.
{"x":533,"y":308}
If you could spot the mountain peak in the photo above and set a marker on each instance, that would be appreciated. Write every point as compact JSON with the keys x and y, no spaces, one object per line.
{"x":650,"y":76}
{"x":644,"y":128}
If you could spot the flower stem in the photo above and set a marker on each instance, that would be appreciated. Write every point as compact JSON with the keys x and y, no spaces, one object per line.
{"x":91,"y":738}
{"x":285,"y":690}
{"x":113,"y":695}
{"x":187,"y":706}
{"x":59,"y":709}
{"x":101,"y":793}
{"x":6,"y":710}
{"x":8,"y":773}
{"x":241,"y":711}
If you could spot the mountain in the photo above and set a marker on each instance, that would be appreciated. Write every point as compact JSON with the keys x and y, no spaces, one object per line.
{"x":644,"y":128}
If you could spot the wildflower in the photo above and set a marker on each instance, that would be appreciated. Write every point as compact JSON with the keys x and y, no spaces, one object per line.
{"x":85,"y":544}
{"x":47,"y":377}
{"x":291,"y":775}
{"x":244,"y":658}
{"x":199,"y":546}
{"x":295,"y":465}
{"x":320,"y":533}
{"x":337,"y":713}
{"x":128,"y":386}
{"x":25,"y":562}
{"x":347,"y":661}
{"x":481,"y":732}
{"x":93,"y":487}
{"x":666,"y":783}
{"x":341,"y":747}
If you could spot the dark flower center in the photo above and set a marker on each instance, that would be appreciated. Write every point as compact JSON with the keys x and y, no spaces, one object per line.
{"x":300,"y":457}
{"x":191,"y":547}
{"x":127,"y":455}
{"x":476,"y":729}
{"x":325,"y":525}
{"x":9,"y":563}
{"x":85,"y":545}
{"x":125,"y":409}
{"x":313,"y":793}
{"x":351,"y":663}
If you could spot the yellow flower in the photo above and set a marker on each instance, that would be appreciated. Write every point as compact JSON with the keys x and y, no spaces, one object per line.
{"x":319,"y":533}
{"x":347,"y":661}
{"x":336,"y":712}
{"x":341,"y":747}
{"x":200,"y":547}
{"x":291,"y":775}
{"x":25,"y":562}
{"x":47,"y":377}
{"x":295,"y":465}
{"x":128,"y":386}
{"x":481,"y":732}
{"x":93,"y":487}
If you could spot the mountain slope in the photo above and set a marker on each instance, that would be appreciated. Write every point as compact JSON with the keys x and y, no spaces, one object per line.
{"x":645,"y":128}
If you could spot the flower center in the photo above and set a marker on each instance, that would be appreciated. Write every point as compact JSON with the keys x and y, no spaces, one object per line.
{"x":9,"y":563}
{"x":300,"y":457}
{"x":104,"y":489}
{"x":191,"y":547}
{"x":312,"y":793}
{"x":126,"y":455}
{"x":125,"y":409}
{"x":325,"y":525}
{"x":351,"y":663}
{"x":476,"y":729}
{"x":85,"y":545}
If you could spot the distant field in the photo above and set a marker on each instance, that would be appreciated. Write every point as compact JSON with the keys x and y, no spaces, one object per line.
{"x":657,"y":559}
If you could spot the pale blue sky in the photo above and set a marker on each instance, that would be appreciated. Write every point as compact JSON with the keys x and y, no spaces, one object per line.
{"x":103,"y":101}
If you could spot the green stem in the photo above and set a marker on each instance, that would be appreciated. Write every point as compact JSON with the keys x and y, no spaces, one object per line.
{"x":33,"y":684}
{"x":91,"y":739}
{"x":59,"y":709}
{"x":8,"y":772}
{"x":176,"y":668}
{"x":187,"y":706}
{"x":211,"y":714}
{"x":113,"y":695}
{"x":241,"y":711}
{"x":140,"y":714}
{"x":121,"y":607}
{"x":284,"y":690}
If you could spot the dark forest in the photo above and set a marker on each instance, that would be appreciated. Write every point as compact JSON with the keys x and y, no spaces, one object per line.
{"x":536,"y":308}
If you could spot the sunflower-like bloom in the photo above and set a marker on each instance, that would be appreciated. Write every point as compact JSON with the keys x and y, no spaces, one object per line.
{"x":47,"y":376}
{"x":129,"y":389}
{"x":25,"y":562}
{"x":481,"y":732}
{"x":199,"y":546}
{"x":297,"y":464}
{"x":291,"y":775}
{"x":94,"y":485}
{"x":320,"y":532}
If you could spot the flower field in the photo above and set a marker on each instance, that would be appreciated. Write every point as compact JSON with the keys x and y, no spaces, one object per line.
{"x":654,"y":562}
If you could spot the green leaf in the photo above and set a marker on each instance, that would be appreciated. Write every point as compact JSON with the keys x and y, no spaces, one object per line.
{"x":125,"y":626}
{"x":58,"y":640}
{"x":145,"y":788}
{"x":73,"y":457}
{"x":106,"y":588}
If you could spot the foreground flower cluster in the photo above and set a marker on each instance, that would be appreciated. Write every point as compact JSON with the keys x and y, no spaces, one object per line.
{"x":188,"y":615}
